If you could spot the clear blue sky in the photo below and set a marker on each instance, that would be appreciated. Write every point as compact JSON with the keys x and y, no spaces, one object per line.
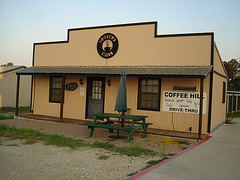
{"x":24,"y":22}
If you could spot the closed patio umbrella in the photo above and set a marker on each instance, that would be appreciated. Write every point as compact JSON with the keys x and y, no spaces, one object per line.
{"x":121,"y":102}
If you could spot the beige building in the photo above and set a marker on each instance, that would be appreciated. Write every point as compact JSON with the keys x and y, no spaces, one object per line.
{"x":167,"y":76}
{"x":8,"y":87}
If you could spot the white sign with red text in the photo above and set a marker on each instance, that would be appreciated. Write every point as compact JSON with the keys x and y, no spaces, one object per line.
{"x":183,"y":102}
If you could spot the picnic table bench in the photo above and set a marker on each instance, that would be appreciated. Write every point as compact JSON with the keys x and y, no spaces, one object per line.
{"x":134,"y":123}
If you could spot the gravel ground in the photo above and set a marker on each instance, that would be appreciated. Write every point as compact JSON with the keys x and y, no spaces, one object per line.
{"x":38,"y":161}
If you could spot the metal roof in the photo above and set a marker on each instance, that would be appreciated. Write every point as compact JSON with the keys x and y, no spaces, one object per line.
{"x":5,"y":69}
{"x":194,"y":71}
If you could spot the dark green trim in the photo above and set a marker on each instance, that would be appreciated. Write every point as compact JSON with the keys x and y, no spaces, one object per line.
{"x":220,"y":74}
{"x":211,"y":85}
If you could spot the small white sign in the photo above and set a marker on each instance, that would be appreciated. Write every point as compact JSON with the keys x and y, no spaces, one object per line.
{"x":183,"y":102}
{"x":82,"y":91}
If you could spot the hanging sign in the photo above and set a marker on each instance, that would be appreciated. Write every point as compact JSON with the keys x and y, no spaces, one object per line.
{"x":107,"y":45}
{"x":71,"y":86}
{"x":183,"y":102}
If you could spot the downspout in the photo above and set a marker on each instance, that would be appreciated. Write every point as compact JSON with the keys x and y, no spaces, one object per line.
{"x":62,"y":98}
{"x":200,"y":110}
{"x":17,"y":95}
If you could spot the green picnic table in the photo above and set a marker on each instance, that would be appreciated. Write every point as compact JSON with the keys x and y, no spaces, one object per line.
{"x":134,"y":123}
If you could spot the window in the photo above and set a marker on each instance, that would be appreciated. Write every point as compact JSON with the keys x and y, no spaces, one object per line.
{"x":238,"y":104}
{"x":185,"y":88}
{"x":148,"y":95}
{"x":224,"y":93}
{"x":96,"y":89}
{"x":55,"y":89}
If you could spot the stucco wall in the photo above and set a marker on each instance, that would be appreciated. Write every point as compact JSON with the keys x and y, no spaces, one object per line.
{"x":74,"y":103}
{"x":218,"y":65}
{"x":219,"y":76}
{"x":137,"y":46}
{"x":218,"y":108}
{"x":41,"y":98}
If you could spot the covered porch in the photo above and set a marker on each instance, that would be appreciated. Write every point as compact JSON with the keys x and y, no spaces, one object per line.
{"x":198,"y":73}
{"x":151,"y":131}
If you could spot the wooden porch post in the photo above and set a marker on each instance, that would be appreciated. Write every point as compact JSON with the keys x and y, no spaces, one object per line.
{"x":200,"y":110}
{"x":62,"y":98}
{"x":17,"y":95}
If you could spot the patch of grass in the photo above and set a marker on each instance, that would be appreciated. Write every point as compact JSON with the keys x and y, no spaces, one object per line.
{"x":103,"y":157}
{"x":135,"y":150}
{"x":25,"y":109}
{"x":230,"y":116}
{"x":6,"y":117}
{"x":11,"y":138}
{"x":32,"y":136}
{"x":104,"y":145}
{"x":14,"y":133}
{"x":153,"y":162}
{"x":234,"y":115}
{"x":229,"y":119}
{"x":131,"y":174}
{"x":30,"y":141}
{"x":183,"y":142}
{"x":61,"y":141}
{"x":129,"y":151}
{"x":13,"y":144}
{"x":9,"y":112}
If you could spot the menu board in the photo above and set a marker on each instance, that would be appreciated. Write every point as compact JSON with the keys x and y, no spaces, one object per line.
{"x":183,"y":102}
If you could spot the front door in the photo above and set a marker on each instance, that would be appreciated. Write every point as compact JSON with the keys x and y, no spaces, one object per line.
{"x":95,"y":96}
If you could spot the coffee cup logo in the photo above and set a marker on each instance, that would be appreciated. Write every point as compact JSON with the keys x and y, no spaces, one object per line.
{"x":107,"y":45}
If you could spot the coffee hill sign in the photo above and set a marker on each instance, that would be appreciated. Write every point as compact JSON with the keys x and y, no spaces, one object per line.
{"x":183,"y":102}
{"x":107,"y":45}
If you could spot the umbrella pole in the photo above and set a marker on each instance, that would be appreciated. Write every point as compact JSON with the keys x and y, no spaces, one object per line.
{"x":118,"y":123}
{"x":122,"y":120}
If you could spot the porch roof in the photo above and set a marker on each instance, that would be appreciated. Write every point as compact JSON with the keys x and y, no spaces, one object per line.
{"x":163,"y":71}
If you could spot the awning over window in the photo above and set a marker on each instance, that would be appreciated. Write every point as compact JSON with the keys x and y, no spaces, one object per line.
{"x":161,"y":71}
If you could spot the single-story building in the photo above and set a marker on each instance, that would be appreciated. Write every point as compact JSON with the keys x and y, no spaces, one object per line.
{"x":233,"y":101}
{"x":8,"y":87}
{"x":177,"y":80}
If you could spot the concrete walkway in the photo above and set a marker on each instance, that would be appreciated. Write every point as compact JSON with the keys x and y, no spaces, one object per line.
{"x":216,"y":158}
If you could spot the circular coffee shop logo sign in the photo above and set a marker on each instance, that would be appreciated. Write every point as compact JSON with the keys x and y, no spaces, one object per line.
{"x":107,"y":45}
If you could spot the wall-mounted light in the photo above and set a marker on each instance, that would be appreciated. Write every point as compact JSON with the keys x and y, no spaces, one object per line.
{"x":109,"y":83}
{"x":81,"y":81}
